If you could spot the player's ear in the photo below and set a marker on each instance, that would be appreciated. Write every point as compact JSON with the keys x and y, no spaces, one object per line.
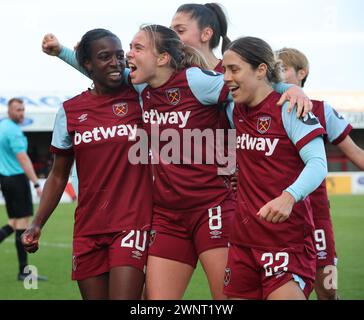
{"x":88,"y":67}
{"x":261,"y":71}
{"x":206,"y":34}
{"x":302,"y":74}
{"x":163,"y":59}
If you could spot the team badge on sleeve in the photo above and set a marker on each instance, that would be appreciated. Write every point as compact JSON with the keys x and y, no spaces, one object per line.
{"x":173,"y":96}
{"x":339,"y":116}
{"x":309,"y":119}
{"x":120,"y":109}
{"x":263,"y":124}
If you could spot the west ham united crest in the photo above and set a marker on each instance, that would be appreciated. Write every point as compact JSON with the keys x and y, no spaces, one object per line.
{"x":120,"y":109}
{"x":74,"y":263}
{"x":263,"y":124}
{"x":173,"y":95}
{"x":152,"y":237}
{"x":227,"y":276}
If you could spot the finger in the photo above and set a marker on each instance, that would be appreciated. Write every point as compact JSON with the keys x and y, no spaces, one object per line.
{"x":307,"y":107}
{"x":282,"y":99}
{"x":292,"y":103}
{"x":32,"y":249}
{"x":270,"y":216}
{"x":300,"y":104}
{"x":263,"y":212}
{"x":282,"y":219}
{"x":276,"y":218}
{"x":27,"y":239}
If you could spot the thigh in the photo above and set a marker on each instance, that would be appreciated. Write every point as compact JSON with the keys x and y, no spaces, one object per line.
{"x":214,"y":262}
{"x":290,"y":290}
{"x":126,"y":283}
{"x":94,"y":288}
{"x":166,"y":279}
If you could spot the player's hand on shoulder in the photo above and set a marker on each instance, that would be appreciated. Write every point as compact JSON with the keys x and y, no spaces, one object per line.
{"x":296,"y":96}
{"x":51,"y":45}
{"x":30,"y":238}
{"x":277,"y":210}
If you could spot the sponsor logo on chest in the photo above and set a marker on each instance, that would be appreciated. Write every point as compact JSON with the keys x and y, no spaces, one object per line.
{"x":174,"y":117}
{"x":105,"y":133}
{"x":248,"y":142}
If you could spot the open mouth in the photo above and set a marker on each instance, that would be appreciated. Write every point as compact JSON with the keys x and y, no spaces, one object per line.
{"x":233,"y":89}
{"x":115,"y":76}
{"x":132,"y":67}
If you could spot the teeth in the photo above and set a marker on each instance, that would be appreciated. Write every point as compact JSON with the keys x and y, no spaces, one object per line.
{"x":132,"y":67}
{"x":115,"y":74}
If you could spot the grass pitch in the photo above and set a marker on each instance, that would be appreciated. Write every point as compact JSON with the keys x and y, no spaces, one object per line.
{"x":54,"y":257}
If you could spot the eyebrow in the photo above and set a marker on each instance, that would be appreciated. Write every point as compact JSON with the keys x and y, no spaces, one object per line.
{"x":179,"y":25}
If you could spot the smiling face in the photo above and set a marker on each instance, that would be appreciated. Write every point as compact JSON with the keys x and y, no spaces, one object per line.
{"x":142,"y":59}
{"x":240,"y":78}
{"x":106,"y":64}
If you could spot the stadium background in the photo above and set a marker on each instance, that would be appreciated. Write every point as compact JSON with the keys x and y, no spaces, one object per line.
{"x":330,"y":32}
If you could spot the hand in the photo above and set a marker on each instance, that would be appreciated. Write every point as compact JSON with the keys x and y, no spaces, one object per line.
{"x":30,"y":238}
{"x":278,"y":209}
{"x":38,"y":191}
{"x":296,"y":96}
{"x":51,"y":45}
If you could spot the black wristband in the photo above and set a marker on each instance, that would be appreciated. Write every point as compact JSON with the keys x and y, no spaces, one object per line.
{"x":36,"y":185}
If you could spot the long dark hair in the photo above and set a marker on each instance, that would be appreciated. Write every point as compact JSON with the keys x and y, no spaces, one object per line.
{"x":256,"y":51}
{"x":209,"y":15}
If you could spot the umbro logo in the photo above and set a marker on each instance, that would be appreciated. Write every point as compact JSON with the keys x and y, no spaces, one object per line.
{"x":82,"y":117}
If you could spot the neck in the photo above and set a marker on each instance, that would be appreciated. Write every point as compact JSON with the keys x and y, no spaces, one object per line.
{"x":259,"y":95}
{"x":210,"y":58}
{"x":161,"y":77}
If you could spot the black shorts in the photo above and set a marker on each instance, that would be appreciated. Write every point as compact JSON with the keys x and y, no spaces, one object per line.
{"x":17,"y":195}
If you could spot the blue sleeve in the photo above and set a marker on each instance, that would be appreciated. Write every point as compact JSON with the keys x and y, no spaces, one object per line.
{"x":336,"y":125}
{"x":281,"y":87}
{"x":74,"y":178}
{"x":298,"y":129}
{"x":314,"y":172}
{"x":60,"y":138}
{"x":207,"y":86}
{"x":229,"y":112}
{"x":69,"y":56}
{"x":17,"y":141}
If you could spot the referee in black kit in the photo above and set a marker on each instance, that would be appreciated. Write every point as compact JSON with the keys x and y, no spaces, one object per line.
{"x":16,"y":169}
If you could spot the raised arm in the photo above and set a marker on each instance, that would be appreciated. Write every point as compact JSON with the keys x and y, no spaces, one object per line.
{"x":52,"y":47}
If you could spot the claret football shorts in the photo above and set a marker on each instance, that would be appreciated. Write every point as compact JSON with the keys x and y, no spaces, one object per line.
{"x":98,"y":254}
{"x":184,"y":236}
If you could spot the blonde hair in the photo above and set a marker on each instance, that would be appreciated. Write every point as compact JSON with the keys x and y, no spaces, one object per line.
{"x":166,"y":40}
{"x":295,"y":59}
